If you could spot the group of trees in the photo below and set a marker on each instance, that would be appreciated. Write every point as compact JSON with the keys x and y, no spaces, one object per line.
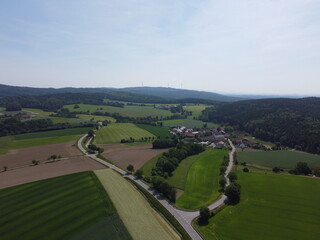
{"x":293,"y":123}
{"x":165,"y":188}
{"x":164,"y":143}
{"x":132,"y":140}
{"x":94,"y":148}
{"x":170,"y":160}
{"x":301,"y":168}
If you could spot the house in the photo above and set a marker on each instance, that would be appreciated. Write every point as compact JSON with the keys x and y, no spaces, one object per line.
{"x":220,"y":145}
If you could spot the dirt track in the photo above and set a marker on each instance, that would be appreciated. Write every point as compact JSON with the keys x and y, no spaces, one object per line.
{"x":122,"y":155}
{"x":47,"y":170}
{"x":24,"y":156}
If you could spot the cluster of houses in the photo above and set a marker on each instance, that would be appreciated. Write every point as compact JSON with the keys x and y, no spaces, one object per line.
{"x":215,"y":138}
{"x":245,"y":142}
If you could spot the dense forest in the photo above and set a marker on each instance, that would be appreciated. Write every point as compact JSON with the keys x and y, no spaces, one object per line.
{"x":291,"y":122}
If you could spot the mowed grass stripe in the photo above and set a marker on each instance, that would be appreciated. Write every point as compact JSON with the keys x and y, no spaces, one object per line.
{"x":202,"y":184}
{"x":64,"y":209}
{"x":141,"y":220}
{"x":114,"y":132}
{"x":272,"y":206}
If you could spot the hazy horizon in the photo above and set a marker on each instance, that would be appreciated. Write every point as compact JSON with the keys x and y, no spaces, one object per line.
{"x":228,"y":47}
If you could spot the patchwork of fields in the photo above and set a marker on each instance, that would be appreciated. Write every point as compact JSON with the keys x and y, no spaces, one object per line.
{"x":40,"y":138}
{"x":113,"y":133}
{"x":138,"y":216}
{"x":283,"y":159}
{"x":59,"y":208}
{"x":272,"y":207}
{"x":129,"y":111}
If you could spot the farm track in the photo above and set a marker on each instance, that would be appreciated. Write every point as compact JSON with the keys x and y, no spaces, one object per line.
{"x":185,"y":218}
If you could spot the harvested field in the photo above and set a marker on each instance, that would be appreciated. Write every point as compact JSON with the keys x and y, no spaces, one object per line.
{"x":141,"y":220}
{"x":123,"y":155}
{"x":24,"y":156}
{"x":47,"y":170}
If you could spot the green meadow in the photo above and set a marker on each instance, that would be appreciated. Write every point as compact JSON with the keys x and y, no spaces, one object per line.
{"x":271,"y":207}
{"x":195,"y":109}
{"x":283,"y":159}
{"x":113,"y":133}
{"x":191,"y":123}
{"x":161,"y":132}
{"x":73,"y":206}
{"x":202,"y":185}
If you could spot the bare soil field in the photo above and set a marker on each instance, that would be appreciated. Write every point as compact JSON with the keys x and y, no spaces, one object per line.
{"x":24,"y":156}
{"x":122,"y":155}
{"x":47,"y":170}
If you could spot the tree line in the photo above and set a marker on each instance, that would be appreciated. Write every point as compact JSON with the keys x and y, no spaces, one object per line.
{"x":170,"y":160}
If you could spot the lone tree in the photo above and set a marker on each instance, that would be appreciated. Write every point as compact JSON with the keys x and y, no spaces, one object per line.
{"x":91,"y":133}
{"x":5,"y":168}
{"x":35,"y":162}
{"x":130,"y":168}
{"x":232,"y":176}
{"x":302,"y":168}
{"x":246,"y":169}
{"x":204,"y":215}
{"x":233,"y":193}
{"x":276,"y":169}
{"x":139,"y":173}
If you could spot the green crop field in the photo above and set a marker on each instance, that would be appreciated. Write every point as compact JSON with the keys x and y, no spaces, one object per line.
{"x":283,"y":159}
{"x":202,"y":184}
{"x":64,"y":207}
{"x":113,"y":133}
{"x":191,"y":123}
{"x":138,"y":216}
{"x":54,"y":133}
{"x":147,"y":167}
{"x":130,"y":111}
{"x":157,"y":131}
{"x":195,"y":109}
{"x":272,"y":207}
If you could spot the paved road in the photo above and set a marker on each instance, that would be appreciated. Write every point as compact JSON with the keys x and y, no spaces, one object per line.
{"x":184,"y":217}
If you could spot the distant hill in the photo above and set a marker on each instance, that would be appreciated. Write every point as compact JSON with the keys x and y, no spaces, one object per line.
{"x":164,"y":93}
{"x":175,"y":93}
{"x":291,"y":122}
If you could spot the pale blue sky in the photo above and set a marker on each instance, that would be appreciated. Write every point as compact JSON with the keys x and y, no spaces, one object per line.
{"x":238,"y":46}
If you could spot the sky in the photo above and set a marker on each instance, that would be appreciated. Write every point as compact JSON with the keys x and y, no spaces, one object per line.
{"x":235,"y":47}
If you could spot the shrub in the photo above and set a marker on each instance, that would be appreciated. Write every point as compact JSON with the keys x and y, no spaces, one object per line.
{"x":246,"y":169}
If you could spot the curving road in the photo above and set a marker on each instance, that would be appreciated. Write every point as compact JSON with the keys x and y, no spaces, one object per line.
{"x":184,"y":217}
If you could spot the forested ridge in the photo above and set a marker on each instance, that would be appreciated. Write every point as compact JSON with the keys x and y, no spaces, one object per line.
{"x":291,"y":122}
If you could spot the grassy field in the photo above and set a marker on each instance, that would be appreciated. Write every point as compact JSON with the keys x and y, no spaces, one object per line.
{"x":202,"y":184}
{"x":283,"y":159}
{"x":180,"y":175}
{"x":141,"y":220}
{"x":195,"y":109}
{"x":272,"y":207}
{"x":113,"y":133}
{"x":130,"y":111}
{"x":157,"y":131}
{"x":70,"y":206}
{"x":147,"y":167}
{"x":187,"y":123}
